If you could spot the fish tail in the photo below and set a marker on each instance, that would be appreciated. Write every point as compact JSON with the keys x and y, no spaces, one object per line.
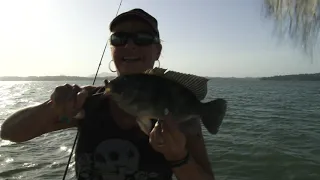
{"x":213,"y":113}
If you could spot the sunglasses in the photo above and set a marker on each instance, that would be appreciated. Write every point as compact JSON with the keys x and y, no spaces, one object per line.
{"x":140,"y":38}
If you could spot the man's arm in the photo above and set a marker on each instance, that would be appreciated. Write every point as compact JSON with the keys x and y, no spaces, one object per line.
{"x":199,"y":166}
{"x":34,"y":121}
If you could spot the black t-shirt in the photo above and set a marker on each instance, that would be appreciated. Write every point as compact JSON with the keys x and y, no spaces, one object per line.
{"x":106,"y":152}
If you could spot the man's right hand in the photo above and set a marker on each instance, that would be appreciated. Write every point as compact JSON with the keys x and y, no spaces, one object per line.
{"x":68,"y":100}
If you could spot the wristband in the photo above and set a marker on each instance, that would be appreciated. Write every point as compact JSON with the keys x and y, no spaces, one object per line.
{"x":179,"y":163}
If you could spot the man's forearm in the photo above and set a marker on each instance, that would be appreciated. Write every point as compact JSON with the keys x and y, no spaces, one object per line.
{"x":191,"y":171}
{"x":26,"y":123}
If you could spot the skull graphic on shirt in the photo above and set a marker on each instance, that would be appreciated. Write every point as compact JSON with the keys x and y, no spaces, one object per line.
{"x":116,"y":159}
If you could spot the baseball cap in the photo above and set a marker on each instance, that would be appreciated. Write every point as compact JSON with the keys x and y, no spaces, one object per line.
{"x":137,"y":13}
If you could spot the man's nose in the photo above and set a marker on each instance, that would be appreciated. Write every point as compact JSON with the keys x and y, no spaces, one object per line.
{"x":130,"y":44}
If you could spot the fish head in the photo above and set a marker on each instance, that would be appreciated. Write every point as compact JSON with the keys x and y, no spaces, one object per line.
{"x":123,"y":88}
{"x":135,"y":94}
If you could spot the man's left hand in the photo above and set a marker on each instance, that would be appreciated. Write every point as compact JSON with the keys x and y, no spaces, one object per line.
{"x":167,"y":139}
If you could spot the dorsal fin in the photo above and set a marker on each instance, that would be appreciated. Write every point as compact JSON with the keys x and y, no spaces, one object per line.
{"x":196,"y":84}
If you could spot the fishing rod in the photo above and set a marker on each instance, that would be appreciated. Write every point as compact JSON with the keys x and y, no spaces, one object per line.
{"x":94,"y":80}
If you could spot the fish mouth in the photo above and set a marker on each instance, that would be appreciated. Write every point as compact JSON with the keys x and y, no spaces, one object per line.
{"x":131,"y":59}
{"x":114,"y":95}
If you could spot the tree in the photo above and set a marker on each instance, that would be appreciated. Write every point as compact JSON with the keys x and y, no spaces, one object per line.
{"x":298,"y":20}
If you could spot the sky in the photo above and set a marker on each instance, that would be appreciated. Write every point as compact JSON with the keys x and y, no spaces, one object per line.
{"x":217,"y":38}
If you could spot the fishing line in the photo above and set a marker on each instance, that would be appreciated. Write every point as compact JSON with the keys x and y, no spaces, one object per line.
{"x":94,"y":80}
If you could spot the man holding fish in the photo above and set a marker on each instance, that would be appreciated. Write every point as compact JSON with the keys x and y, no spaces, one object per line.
{"x":144,"y":124}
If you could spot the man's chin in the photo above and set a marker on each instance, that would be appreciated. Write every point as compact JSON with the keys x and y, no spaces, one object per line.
{"x":133,"y":69}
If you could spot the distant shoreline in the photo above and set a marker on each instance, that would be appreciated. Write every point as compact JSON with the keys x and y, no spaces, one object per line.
{"x":51,"y":78}
{"x":77,"y":78}
{"x":294,"y":77}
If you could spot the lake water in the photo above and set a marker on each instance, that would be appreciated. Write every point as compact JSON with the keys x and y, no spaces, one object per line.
{"x":271,"y":132}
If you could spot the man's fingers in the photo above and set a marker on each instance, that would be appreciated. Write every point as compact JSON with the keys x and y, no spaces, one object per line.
{"x":167,"y":133}
{"x":61,"y":93}
{"x":74,"y":92}
{"x":80,"y":99}
{"x":68,"y":100}
{"x":155,"y":137}
{"x":169,"y":124}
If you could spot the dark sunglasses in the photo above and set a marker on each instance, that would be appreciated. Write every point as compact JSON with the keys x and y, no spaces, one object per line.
{"x":140,"y":38}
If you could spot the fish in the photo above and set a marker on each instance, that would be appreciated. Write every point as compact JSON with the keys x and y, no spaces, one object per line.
{"x":157,"y":92}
